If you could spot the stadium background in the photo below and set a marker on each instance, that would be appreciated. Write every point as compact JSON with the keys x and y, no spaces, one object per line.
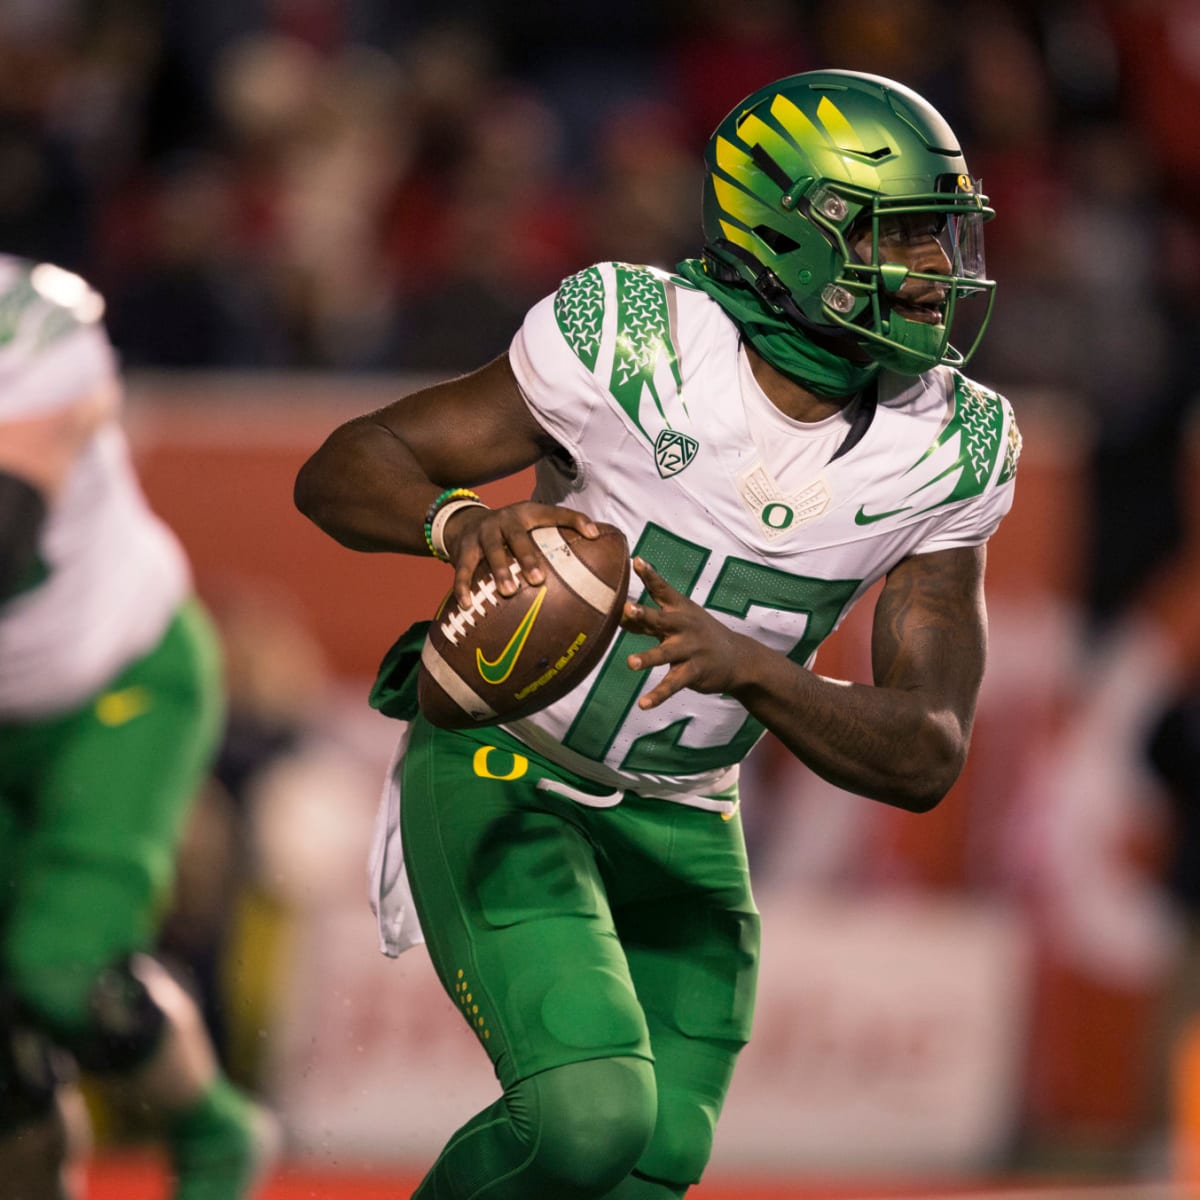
{"x":300,"y":209}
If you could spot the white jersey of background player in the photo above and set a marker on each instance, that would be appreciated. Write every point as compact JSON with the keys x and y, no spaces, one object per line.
{"x":53,"y":354}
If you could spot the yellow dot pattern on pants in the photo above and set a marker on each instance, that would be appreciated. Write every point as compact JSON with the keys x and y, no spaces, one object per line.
{"x":462,"y":990}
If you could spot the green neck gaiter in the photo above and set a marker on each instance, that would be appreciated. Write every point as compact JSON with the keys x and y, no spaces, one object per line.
{"x":779,"y":341}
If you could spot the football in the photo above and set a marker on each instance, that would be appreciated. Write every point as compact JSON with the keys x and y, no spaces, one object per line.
{"x":504,"y":657}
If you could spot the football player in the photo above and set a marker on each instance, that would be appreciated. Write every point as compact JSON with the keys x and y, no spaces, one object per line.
{"x":110,"y":707}
{"x":777,"y":426}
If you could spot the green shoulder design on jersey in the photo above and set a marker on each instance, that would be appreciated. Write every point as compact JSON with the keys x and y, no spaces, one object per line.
{"x":579,"y":310}
{"x":1012,"y":452}
{"x":977,"y":420}
{"x":644,"y":332}
{"x":13,"y":305}
{"x":643,"y":338}
{"x":21,"y":303}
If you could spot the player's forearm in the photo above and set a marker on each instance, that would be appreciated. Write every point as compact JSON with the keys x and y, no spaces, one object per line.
{"x":43,"y":448}
{"x":885,"y":743}
{"x":365,"y":488}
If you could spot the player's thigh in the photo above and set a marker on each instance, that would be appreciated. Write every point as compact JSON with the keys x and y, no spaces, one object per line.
{"x":110,"y":803}
{"x":513,"y":908}
{"x":12,"y":839}
{"x":694,"y":962}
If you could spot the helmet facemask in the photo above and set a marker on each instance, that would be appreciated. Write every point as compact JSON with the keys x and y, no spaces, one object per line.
{"x":866,"y":301}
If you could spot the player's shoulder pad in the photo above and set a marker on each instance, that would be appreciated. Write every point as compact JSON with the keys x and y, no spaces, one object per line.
{"x":579,"y":307}
{"x":633,"y":327}
{"x":39,"y":304}
{"x":631,"y":305}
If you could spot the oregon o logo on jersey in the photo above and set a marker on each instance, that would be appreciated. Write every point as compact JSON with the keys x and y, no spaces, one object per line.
{"x":673,"y":451}
{"x":777,"y":515}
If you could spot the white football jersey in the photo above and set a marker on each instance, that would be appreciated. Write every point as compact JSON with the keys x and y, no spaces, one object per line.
{"x":643,"y":380}
{"x":110,"y":574}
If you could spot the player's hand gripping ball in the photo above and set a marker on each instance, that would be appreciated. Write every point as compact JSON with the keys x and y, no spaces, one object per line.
{"x":504,"y":657}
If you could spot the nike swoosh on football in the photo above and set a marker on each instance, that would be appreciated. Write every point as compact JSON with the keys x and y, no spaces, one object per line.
{"x":498,"y":670}
{"x":862,"y":517}
{"x":120,"y":707}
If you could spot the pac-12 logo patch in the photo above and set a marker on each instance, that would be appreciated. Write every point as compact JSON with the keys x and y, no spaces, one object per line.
{"x":673,"y":451}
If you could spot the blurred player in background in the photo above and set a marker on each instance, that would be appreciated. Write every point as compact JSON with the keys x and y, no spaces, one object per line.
{"x":110,"y":709}
{"x":775,"y":428}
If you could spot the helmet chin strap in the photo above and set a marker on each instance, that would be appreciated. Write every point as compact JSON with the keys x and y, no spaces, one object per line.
{"x":914,"y":347}
{"x":789,"y":348}
{"x":769,"y":286}
{"x":911,"y":347}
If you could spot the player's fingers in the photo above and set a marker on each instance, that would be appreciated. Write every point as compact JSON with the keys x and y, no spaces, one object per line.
{"x":576,"y":520}
{"x":657,"y":586}
{"x":536,"y":516}
{"x":464,"y":569}
{"x":524,"y":549}
{"x":519,"y":522}
{"x":642,"y":618}
{"x":494,"y":544}
{"x":645,"y":660}
{"x":673,"y":681}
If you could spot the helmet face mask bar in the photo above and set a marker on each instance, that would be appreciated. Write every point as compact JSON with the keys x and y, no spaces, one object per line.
{"x":807,"y":166}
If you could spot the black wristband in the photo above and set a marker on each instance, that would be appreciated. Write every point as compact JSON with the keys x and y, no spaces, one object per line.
{"x":22,"y":514}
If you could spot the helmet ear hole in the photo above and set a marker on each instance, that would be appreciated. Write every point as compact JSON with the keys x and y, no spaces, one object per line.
{"x":780,"y":243}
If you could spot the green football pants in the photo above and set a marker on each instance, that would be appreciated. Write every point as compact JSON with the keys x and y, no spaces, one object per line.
{"x":92,"y":805}
{"x":605,"y":957}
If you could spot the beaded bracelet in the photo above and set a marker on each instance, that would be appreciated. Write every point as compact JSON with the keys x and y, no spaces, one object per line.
{"x":432,"y":511}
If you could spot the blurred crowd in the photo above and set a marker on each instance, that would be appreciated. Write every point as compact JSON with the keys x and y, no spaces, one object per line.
{"x":361,"y":184}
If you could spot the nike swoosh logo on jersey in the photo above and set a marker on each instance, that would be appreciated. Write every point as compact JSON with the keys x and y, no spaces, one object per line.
{"x":121,"y":707}
{"x":862,"y":517}
{"x":498,"y":670}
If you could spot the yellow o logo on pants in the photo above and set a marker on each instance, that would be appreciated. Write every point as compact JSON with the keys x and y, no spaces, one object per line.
{"x":520,"y":764}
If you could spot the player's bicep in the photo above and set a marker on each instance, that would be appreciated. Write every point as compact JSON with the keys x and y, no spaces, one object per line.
{"x":468,"y":430}
{"x":930,"y":629}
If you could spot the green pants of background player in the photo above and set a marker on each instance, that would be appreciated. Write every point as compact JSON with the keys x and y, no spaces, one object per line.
{"x":604,"y":957}
{"x":92,"y":804}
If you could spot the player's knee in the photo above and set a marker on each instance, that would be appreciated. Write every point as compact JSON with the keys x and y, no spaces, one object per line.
{"x":595,"y":1119}
{"x":107,"y":1018}
{"x":683,"y":1139}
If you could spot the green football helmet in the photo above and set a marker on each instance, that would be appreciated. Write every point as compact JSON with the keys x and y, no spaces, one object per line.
{"x":805,"y":166}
